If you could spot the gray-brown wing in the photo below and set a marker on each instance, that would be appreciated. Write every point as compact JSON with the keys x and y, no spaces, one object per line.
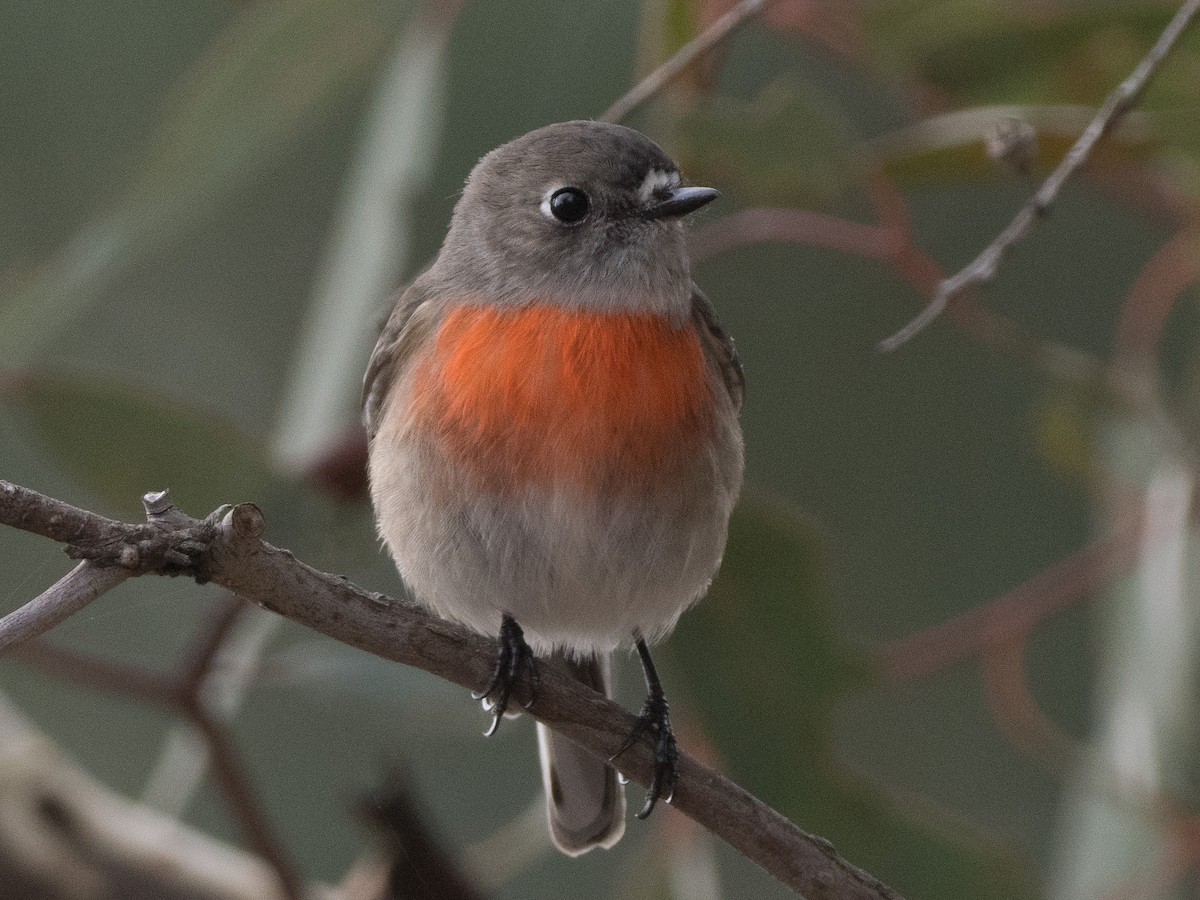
{"x":408,"y":322}
{"x":719,"y":347}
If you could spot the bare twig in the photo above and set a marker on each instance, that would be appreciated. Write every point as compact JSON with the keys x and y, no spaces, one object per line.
{"x":1016,"y":710}
{"x":119,"y":679}
{"x":1173,"y":269}
{"x":205,"y":655}
{"x":684,"y":57}
{"x":181,"y":696}
{"x":239,"y":794}
{"x":238,"y":560}
{"x":983,"y":268}
{"x":890,"y":243}
{"x":795,"y":226}
{"x":998,"y":622}
{"x":63,"y":599}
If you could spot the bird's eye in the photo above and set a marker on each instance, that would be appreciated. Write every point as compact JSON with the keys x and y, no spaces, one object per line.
{"x":569,"y":205}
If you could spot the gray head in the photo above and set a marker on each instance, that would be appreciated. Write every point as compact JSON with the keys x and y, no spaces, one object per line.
{"x":584,"y":214}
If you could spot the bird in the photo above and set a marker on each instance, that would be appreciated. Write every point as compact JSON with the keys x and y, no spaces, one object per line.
{"x":555,"y":448}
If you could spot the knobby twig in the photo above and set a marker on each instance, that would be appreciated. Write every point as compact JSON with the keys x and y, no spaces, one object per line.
{"x":983,"y":268}
{"x":684,"y":57}
{"x":226,"y":548}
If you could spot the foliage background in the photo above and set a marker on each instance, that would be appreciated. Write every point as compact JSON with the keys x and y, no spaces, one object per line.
{"x":176,"y":178}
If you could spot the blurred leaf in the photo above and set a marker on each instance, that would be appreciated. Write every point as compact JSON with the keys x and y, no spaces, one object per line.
{"x":122,"y":442}
{"x":245,"y":100}
{"x":681,"y":23}
{"x":771,"y":669}
{"x":790,"y":146}
{"x":370,"y":245}
{"x":1065,"y":435}
{"x":989,"y":51}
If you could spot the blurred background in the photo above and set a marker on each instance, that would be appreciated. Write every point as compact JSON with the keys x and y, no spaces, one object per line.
{"x":956,"y":631}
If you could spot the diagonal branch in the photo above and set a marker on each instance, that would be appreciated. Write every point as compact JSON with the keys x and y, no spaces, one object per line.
{"x":235,"y":558}
{"x":67,"y":596}
{"x":983,"y":268}
{"x":684,"y":57}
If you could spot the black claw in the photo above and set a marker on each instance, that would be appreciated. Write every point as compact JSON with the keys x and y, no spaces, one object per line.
{"x":655,"y":719}
{"x":512,"y":657}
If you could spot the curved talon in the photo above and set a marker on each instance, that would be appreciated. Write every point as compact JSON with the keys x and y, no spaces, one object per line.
{"x":666,"y":755}
{"x":655,"y":717}
{"x":512,"y":656}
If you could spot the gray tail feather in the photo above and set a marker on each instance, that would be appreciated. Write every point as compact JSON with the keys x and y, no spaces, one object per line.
{"x":584,"y":800}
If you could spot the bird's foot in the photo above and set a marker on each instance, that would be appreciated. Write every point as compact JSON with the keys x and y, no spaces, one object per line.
{"x":655,"y":720}
{"x":513,"y":657}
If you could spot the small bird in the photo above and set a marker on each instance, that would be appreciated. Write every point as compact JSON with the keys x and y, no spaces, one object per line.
{"x":555,"y":448}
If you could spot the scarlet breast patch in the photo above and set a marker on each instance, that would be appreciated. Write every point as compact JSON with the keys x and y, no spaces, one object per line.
{"x":543,"y":394}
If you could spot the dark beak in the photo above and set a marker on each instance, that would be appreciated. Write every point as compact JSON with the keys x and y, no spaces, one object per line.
{"x":680,"y":202}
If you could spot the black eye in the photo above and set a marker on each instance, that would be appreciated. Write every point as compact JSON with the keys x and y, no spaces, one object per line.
{"x":569,"y":205}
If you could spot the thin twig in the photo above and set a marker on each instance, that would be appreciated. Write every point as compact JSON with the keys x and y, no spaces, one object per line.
{"x":983,"y":268}
{"x":119,"y":679}
{"x":996,"y":623}
{"x":684,"y":57}
{"x":403,"y":632}
{"x":1015,"y":708}
{"x":183,"y":696}
{"x":238,"y":792}
{"x":207,"y":650}
{"x":1170,"y":271}
{"x":67,"y":596}
{"x":794,"y":226}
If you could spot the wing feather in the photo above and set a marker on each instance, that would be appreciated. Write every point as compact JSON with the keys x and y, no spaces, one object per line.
{"x":409,"y":321}
{"x":718,"y":345}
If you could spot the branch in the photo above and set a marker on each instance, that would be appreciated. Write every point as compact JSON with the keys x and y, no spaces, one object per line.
{"x":983,"y":268}
{"x":684,"y":57}
{"x":235,"y":558}
{"x":67,"y":596}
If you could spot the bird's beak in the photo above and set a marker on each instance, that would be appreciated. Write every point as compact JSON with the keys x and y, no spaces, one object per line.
{"x":680,"y":202}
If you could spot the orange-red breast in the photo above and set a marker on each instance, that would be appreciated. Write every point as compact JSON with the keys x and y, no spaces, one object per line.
{"x":554,"y":438}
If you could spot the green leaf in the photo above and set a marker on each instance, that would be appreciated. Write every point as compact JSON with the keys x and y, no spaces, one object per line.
{"x":122,"y":441}
{"x":763,"y":652}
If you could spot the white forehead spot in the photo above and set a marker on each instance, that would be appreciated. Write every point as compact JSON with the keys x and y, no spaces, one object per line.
{"x":657,"y":180}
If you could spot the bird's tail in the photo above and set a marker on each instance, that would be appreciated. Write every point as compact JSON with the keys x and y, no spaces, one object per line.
{"x":584,"y":800}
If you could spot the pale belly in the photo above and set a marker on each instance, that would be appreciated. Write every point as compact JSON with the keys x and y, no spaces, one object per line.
{"x":577,"y":571}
